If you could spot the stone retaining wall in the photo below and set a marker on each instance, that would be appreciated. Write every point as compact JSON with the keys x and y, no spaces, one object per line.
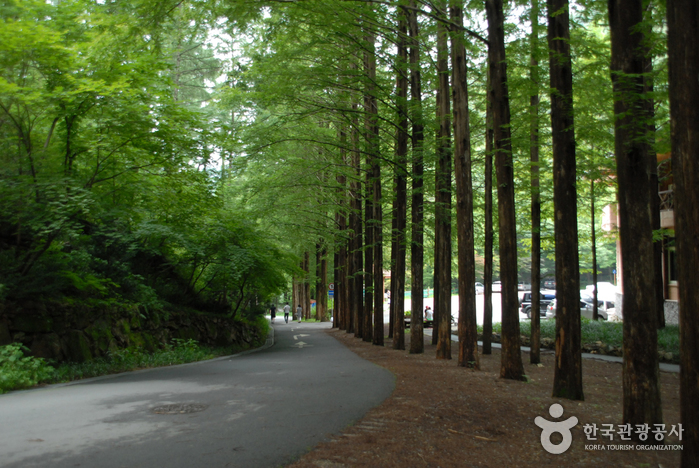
{"x":79,"y":332}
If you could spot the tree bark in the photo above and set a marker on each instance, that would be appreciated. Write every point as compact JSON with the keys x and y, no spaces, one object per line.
{"x":593,"y":245}
{"x":654,"y":183}
{"x":323,"y":294}
{"x":468,"y":329}
{"x":640,"y":371}
{"x":442,"y":254}
{"x":511,"y":362}
{"x":400,"y":208}
{"x":535,"y":339}
{"x":683,"y":57}
{"x":488,"y":213}
{"x":369,"y":266}
{"x":307,"y":286}
{"x":567,"y":381}
{"x":357,"y":282}
{"x":373,"y":150}
{"x":417,"y":344}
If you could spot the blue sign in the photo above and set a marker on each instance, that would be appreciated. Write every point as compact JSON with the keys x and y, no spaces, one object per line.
{"x":330,"y":293}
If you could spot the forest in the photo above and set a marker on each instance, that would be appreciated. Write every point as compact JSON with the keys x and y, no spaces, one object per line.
{"x":217,"y":156}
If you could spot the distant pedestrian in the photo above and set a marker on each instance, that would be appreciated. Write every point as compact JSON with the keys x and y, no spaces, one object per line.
{"x":428,"y":313}
{"x":273,"y":312}
{"x":299,"y":311}
{"x":286,"y":313}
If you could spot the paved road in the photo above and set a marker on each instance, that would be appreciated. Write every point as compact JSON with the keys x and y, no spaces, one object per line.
{"x":262,"y":409}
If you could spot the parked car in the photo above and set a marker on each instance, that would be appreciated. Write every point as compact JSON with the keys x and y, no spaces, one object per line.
{"x":497,"y":286}
{"x":586,"y":295}
{"x":545,"y":298}
{"x":550,"y":284}
{"x":524,"y":286}
{"x":480,"y":288}
{"x":585,"y":310}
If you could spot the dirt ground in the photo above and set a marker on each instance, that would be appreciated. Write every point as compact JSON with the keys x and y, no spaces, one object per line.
{"x":442,"y":415}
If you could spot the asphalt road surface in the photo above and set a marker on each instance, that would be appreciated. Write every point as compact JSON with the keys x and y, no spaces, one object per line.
{"x":262,"y":409}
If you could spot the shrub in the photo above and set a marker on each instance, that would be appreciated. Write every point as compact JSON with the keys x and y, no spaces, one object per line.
{"x":19,"y":371}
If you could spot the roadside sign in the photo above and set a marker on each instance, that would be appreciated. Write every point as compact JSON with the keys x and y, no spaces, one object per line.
{"x":330,"y":294}
{"x":331,"y":286}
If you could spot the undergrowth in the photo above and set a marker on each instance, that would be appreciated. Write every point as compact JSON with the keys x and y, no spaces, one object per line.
{"x":610,"y":333}
{"x":19,"y":371}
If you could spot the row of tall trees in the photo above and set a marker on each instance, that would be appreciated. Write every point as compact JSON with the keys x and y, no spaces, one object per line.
{"x":400,"y":75}
{"x":202,"y":151}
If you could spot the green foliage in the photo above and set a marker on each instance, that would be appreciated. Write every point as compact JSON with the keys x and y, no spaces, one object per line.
{"x":18,"y":371}
{"x":178,"y":352}
{"x":610,"y":333}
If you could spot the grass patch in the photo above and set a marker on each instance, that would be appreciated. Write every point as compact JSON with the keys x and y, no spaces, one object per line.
{"x":18,"y":371}
{"x":610,"y":333}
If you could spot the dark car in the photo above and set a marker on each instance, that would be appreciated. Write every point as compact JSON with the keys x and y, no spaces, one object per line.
{"x":545,"y":298}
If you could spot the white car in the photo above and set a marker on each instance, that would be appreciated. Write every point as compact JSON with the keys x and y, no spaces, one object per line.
{"x":586,"y":310}
{"x":480,"y":289}
{"x":497,"y":286}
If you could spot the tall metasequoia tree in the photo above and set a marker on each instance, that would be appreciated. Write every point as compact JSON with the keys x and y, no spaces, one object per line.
{"x":683,"y":58}
{"x":320,"y":284}
{"x":307,"y":286}
{"x":400,"y":207}
{"x":567,"y":382}
{"x":322,"y":306}
{"x":369,"y":209}
{"x":511,"y":362}
{"x":356,"y":285}
{"x":468,"y":330}
{"x":654,"y":182}
{"x":417,"y":214}
{"x":373,"y":143}
{"x":593,"y":245}
{"x":442,"y":215}
{"x":355,"y":260}
{"x":340,"y":312}
{"x":535,"y":339}
{"x":368,"y":328}
{"x":337,"y":320}
{"x":488,"y":229}
{"x":640,"y":375}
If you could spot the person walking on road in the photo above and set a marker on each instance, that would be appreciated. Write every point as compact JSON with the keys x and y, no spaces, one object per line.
{"x":286,"y":313}
{"x":299,"y":311}
{"x":273,"y":312}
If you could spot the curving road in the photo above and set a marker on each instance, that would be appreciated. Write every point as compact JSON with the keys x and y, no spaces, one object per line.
{"x":261,"y":409}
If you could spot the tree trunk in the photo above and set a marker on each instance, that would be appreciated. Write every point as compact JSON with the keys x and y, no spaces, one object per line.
{"x":372,"y":139}
{"x":442,"y":254}
{"x":337,"y":322}
{"x":369,"y":269}
{"x":535,"y":339}
{"x":593,"y":248}
{"x":567,"y":382}
{"x":356,"y":284}
{"x":400,"y":208}
{"x":640,"y":373}
{"x":417,"y":344}
{"x":683,"y":57}
{"x":307,"y":286}
{"x":323,"y":294}
{"x":511,"y":363}
{"x":468,"y":329}
{"x":319,"y":287}
{"x":488,"y":213}
{"x":654,"y":183}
